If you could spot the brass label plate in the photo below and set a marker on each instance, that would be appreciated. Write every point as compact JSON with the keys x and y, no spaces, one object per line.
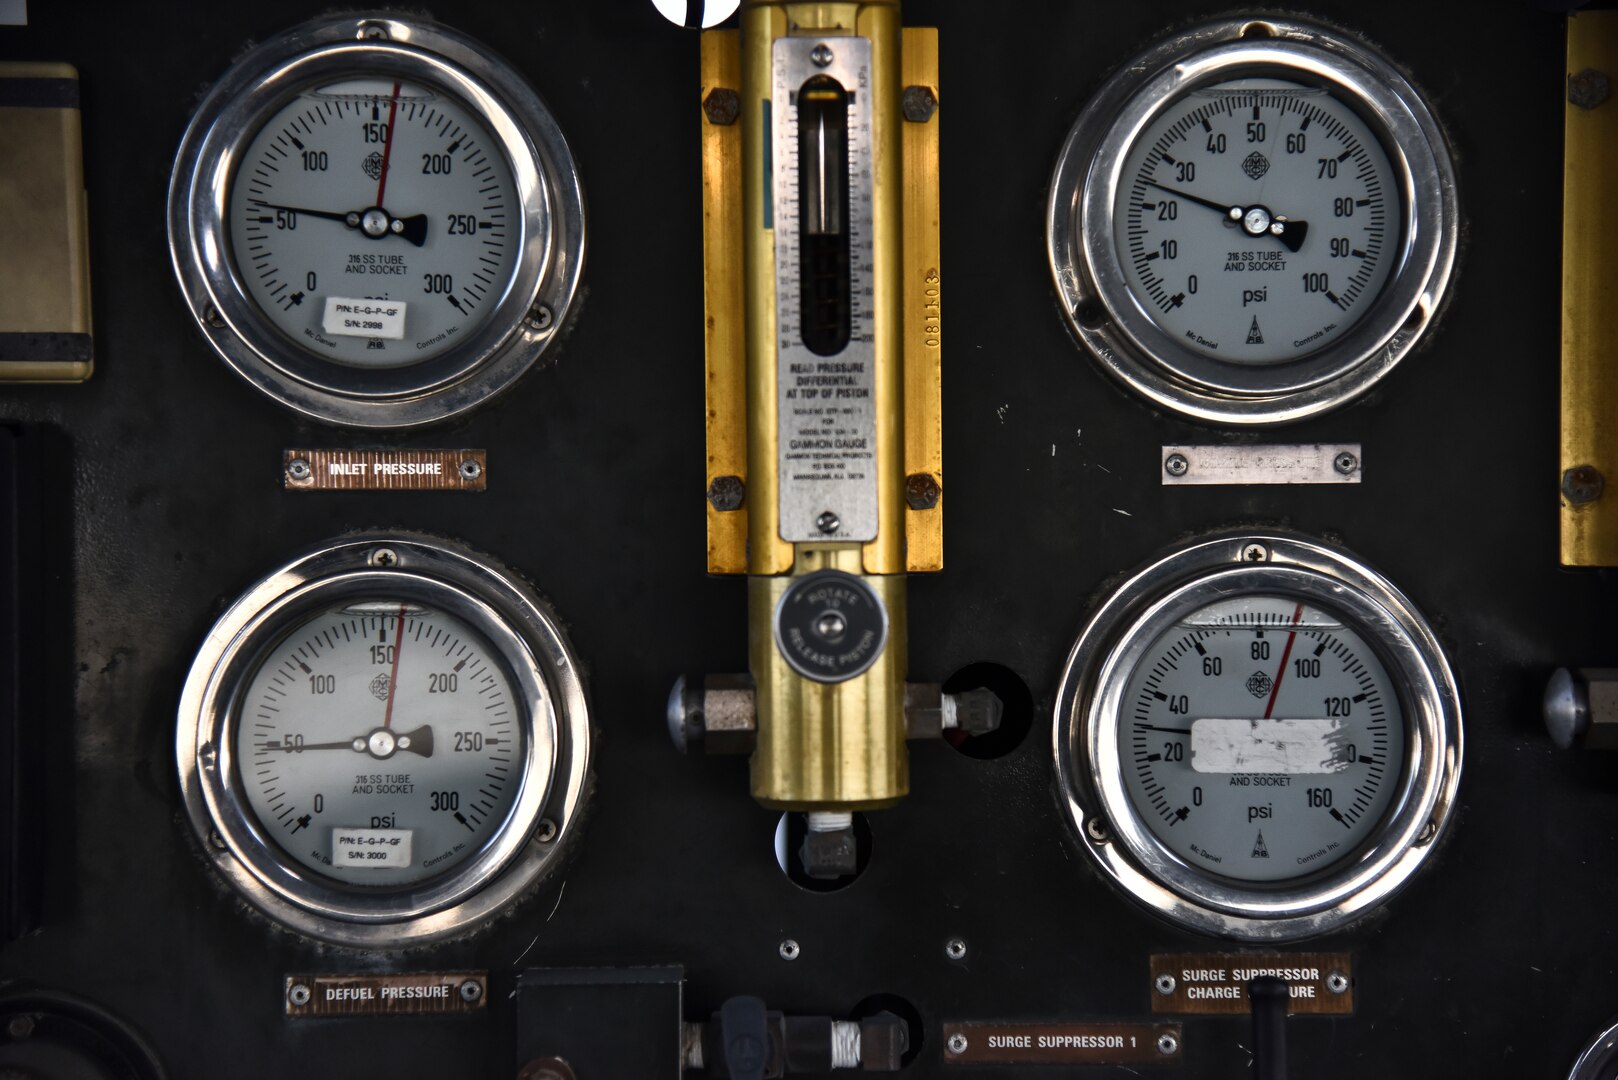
{"x":385,"y":470}
{"x":1215,"y":984}
{"x":988,"y":1043}
{"x":386,"y":995}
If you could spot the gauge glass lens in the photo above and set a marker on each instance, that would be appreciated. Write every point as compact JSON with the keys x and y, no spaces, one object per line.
{"x":371,"y":221}
{"x":380,"y":743}
{"x":1256,"y":220}
{"x":1264,"y":739}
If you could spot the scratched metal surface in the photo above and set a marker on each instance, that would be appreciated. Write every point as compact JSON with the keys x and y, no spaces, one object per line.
{"x":1496,"y":961}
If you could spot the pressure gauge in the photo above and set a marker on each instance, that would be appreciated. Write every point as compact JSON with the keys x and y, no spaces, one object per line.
{"x":375,"y":222}
{"x":1258,"y":738}
{"x":384,"y":742}
{"x":1253,"y":222}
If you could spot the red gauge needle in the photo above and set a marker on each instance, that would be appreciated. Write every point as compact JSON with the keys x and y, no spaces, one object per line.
{"x":1286,"y":652}
{"x":387,"y":146}
{"x":398,"y":647}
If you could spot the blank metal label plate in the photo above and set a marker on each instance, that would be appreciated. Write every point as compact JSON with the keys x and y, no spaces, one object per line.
{"x":1212,"y":984}
{"x":383,"y":995}
{"x":385,"y":470}
{"x":987,"y":1043}
{"x":1272,"y":463}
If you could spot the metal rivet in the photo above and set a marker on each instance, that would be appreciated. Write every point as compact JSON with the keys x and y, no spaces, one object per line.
{"x":957,"y":1043}
{"x":1255,"y":553}
{"x":1176,"y":465}
{"x":539,"y":318}
{"x":471,"y":990}
{"x":298,"y":469}
{"x":955,"y":948}
{"x":789,"y":949}
{"x":1588,"y":88}
{"x":922,"y":491}
{"x":1337,"y":982}
{"x":20,"y":1027}
{"x":217,"y":841}
{"x":727,"y":493}
{"x":1583,"y":484}
{"x":821,"y":55}
{"x":546,"y":832}
{"x":370,"y":31}
{"x":1096,"y":829}
{"x":919,"y":103}
{"x":828,"y":522}
{"x":383,"y":557}
{"x":1428,"y":831}
{"x":208,"y":756}
{"x":298,"y":994}
{"x":1167,"y":1044}
{"x":722,"y":106}
{"x":1165,"y":984}
{"x":211,"y":316}
{"x":1346,"y":463}
{"x":471,"y":469}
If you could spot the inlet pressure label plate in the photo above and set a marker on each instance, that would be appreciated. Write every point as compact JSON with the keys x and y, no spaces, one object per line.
{"x":385,"y":470}
{"x":1062,"y":1044}
{"x":1320,"y":984}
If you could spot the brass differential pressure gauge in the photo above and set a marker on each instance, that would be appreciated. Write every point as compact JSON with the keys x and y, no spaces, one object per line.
{"x":376,"y":222}
{"x":820,"y":183}
{"x":384,"y":742}
{"x":1253,"y":222}
{"x":1258,"y":738}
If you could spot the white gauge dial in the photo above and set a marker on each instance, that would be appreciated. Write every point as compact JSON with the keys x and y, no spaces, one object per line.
{"x":372,"y":221}
{"x":1264,"y":739}
{"x":384,"y":742}
{"x":1253,"y":221}
{"x":381,"y":743}
{"x":1257,"y":220}
{"x":376,"y":221}
{"x":1258,"y":737}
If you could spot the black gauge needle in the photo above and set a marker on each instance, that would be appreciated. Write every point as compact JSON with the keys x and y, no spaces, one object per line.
{"x":412,"y":229}
{"x":419,"y":741}
{"x":351,"y":219}
{"x":1232,"y":212}
{"x":1256,"y":221}
{"x":1289,"y":232}
{"x":298,"y":748}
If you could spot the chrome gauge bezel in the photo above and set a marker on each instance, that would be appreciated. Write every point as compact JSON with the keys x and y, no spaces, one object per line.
{"x":1110,"y":321}
{"x":534,"y":302}
{"x":1089,"y":757}
{"x":526,"y":640}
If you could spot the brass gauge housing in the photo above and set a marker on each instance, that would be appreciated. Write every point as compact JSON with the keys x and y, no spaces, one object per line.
{"x":820,"y":155}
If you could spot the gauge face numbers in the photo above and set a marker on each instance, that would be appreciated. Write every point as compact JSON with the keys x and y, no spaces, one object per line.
{"x":1263,"y":739}
{"x":1256,"y":220}
{"x":381,"y":743}
{"x":374,"y":222}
